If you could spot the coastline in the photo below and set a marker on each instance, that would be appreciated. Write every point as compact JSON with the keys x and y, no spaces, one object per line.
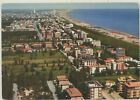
{"x":106,"y":31}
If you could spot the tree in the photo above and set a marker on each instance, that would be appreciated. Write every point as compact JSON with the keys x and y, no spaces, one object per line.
{"x":7,"y":85}
{"x":137,"y":71}
{"x":50,"y":77}
{"x":26,"y":68}
{"x":97,"y":73}
{"x":60,"y":46}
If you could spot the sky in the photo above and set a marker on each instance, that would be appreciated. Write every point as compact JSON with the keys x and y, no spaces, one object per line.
{"x":70,"y":6}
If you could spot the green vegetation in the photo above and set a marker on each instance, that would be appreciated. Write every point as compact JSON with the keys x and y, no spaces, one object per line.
{"x":33,"y":73}
{"x":18,"y":37}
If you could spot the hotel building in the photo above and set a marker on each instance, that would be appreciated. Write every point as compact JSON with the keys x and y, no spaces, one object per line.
{"x":132,"y":90}
{"x":94,"y":90}
{"x":121,"y":81}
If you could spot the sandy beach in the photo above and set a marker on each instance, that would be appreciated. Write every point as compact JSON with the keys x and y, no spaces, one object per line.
{"x":110,"y":32}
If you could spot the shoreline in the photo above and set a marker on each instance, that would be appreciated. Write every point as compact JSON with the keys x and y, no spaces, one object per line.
{"x":106,"y":31}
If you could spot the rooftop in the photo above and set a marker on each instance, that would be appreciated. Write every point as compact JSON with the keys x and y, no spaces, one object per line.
{"x":73,"y":92}
{"x":132,"y":84}
{"x":129,"y":78}
{"x":93,"y":83}
{"x":109,"y":60}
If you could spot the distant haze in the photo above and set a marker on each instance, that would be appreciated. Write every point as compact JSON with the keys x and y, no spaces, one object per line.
{"x":70,"y":6}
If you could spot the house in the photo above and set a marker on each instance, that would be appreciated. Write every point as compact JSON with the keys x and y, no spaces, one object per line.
{"x":94,"y":90}
{"x":131,"y":90}
{"x":73,"y":94}
{"x":121,"y":81}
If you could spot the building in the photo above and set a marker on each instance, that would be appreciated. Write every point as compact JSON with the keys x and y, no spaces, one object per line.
{"x":132,"y":90}
{"x":120,"y":52}
{"x":73,"y":94}
{"x":64,"y":85}
{"x":83,"y":51}
{"x":122,"y":80}
{"x":82,"y":35}
{"x":61,"y":78}
{"x":120,"y":65}
{"x":125,"y":58}
{"x":96,"y":43}
{"x":94,"y":90}
{"x":88,"y":61}
{"x":109,"y":62}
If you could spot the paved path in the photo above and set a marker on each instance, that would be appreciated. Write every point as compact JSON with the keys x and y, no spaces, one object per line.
{"x":52,"y":89}
{"x":114,"y":96}
{"x":15,"y":89}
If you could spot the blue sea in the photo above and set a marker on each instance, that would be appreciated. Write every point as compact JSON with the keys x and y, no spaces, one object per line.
{"x":125,"y":20}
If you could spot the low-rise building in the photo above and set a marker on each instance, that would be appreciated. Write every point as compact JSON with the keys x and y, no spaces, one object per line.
{"x":64,"y":85}
{"x":132,"y":90}
{"x":73,"y":94}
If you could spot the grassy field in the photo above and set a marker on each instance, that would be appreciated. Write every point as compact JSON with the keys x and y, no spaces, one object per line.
{"x":40,"y":59}
{"x":34,"y":57}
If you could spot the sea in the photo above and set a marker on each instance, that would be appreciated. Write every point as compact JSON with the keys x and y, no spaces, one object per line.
{"x":124,"y":20}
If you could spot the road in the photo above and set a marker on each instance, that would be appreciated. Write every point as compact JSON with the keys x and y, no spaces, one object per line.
{"x":113,"y":96}
{"x":52,"y":89}
{"x":69,"y":60}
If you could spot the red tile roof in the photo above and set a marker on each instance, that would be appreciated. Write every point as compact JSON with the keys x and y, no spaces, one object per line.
{"x":73,"y":92}
{"x":132,"y":84}
{"x":109,"y":60}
